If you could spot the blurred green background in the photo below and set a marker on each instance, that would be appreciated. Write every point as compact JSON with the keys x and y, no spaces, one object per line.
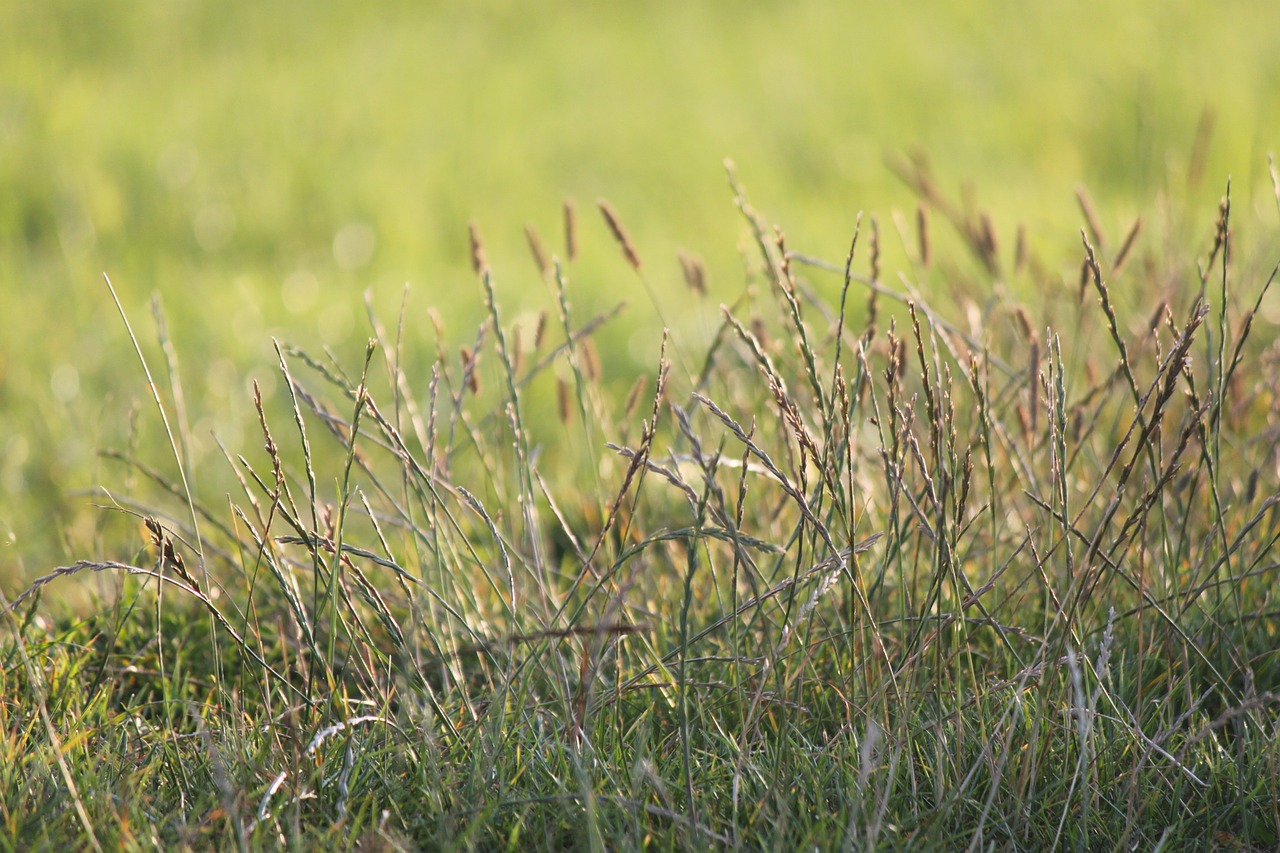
{"x":259,"y":165}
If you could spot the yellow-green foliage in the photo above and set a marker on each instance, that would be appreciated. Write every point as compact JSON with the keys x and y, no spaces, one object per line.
{"x":213,"y":153}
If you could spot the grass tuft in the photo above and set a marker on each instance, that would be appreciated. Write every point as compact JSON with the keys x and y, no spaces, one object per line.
{"x":936,"y":567}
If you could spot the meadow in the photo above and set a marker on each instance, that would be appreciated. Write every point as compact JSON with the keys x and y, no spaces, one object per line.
{"x":908,"y":479}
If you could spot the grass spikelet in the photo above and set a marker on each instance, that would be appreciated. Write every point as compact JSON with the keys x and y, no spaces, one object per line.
{"x":1091,"y":220}
{"x":538,"y":253}
{"x":1020,"y":249}
{"x":479,"y":264}
{"x":269,"y":444}
{"x":1200,"y":147}
{"x":760,"y":332}
{"x":540,"y":333}
{"x":873,"y":294}
{"x":590,"y":360}
{"x":875,"y":250}
{"x":1220,"y":238}
{"x":988,"y":243}
{"x":470,"y":376}
{"x":1033,"y":371}
{"x":1122,"y":256}
{"x":695,"y":274}
{"x":633,"y":397}
{"x":922,"y":235}
{"x":570,"y":231}
{"x":1104,"y":296}
{"x":563,"y":400}
{"x":517,"y":351}
{"x":619,"y":233}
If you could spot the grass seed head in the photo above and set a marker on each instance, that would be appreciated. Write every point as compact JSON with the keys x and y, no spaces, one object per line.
{"x":875,"y":249}
{"x":695,"y":274}
{"x":619,"y":233}
{"x":922,"y":233}
{"x":535,"y":249}
{"x":570,"y":230}
{"x":479,"y":265}
{"x":562,"y":400}
{"x":633,"y":396}
{"x":470,"y":375}
{"x":540,"y":333}
{"x":590,"y":360}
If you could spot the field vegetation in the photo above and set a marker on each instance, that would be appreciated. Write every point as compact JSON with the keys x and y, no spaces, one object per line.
{"x":811,"y":499}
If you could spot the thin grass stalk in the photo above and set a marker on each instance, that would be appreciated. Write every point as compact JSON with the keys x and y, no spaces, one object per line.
{"x":344,"y":497}
{"x":525,"y":497}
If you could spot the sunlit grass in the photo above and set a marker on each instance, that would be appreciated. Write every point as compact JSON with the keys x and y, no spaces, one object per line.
{"x":874,"y":563}
{"x":416,"y":497}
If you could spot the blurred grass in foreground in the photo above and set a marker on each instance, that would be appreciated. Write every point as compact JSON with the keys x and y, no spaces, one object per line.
{"x":260,"y":165}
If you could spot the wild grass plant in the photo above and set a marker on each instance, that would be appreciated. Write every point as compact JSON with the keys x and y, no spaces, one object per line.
{"x":964,"y":555}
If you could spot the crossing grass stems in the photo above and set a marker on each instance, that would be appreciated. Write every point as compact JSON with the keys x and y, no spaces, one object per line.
{"x":953,"y":569}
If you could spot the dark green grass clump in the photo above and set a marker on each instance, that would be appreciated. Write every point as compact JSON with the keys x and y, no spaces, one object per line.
{"x":869,"y":567}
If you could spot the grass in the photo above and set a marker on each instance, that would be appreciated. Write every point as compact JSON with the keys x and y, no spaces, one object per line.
{"x":966,"y":542}
{"x":886,"y":557}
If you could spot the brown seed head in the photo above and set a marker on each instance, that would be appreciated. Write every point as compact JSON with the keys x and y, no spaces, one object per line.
{"x":570,"y":230}
{"x":470,"y":376}
{"x":562,"y":400}
{"x":633,"y":396}
{"x":922,"y":226}
{"x":540,"y":334}
{"x":535,"y":249}
{"x":695,"y":274}
{"x":590,"y":360}
{"x":619,"y":233}
{"x":478,"y":263}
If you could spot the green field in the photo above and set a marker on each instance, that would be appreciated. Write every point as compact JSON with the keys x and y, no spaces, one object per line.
{"x":1062,"y":465}
{"x":207,"y":154}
